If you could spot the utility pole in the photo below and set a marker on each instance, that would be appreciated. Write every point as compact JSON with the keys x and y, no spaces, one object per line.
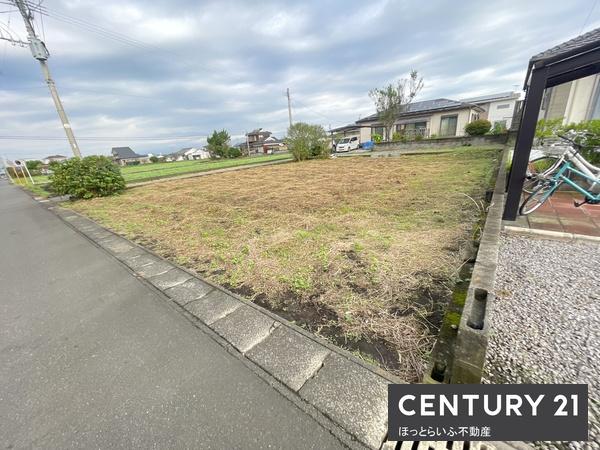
{"x":40,"y":52}
{"x":289,"y":105}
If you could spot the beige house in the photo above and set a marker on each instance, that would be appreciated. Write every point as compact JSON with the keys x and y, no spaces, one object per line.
{"x":430,"y":118}
{"x":575,"y":101}
{"x":498,"y":108}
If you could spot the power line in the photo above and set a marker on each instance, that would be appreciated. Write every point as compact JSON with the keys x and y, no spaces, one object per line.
{"x":588,"y":16}
{"x":75,"y":90}
{"x":103,"y":138}
{"x":40,"y":53}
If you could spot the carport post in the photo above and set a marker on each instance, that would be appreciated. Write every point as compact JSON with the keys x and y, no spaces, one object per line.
{"x":518,"y":170}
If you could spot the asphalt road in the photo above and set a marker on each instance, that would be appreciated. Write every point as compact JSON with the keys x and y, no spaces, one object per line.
{"x":92,"y":357}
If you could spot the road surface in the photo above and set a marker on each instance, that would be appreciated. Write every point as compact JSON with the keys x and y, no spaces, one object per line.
{"x":90,"y":356}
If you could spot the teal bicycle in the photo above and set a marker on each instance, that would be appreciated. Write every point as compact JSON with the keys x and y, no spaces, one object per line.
{"x":564,"y":168}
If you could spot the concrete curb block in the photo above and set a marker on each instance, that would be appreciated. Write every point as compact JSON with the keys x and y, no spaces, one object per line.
{"x":554,"y":235}
{"x":249,"y":328}
{"x":473,"y":330}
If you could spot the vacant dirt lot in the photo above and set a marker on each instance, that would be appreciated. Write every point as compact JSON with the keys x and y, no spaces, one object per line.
{"x":363,"y":251}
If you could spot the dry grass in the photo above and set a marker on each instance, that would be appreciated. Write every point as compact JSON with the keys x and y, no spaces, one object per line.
{"x":361,"y":250}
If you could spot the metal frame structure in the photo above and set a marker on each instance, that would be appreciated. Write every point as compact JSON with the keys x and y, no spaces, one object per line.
{"x":571,"y":60}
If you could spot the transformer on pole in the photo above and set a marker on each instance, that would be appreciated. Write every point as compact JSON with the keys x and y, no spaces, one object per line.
{"x":40,"y":52}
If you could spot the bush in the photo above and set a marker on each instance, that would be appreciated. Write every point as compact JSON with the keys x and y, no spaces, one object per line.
{"x":547,"y":128}
{"x":478,"y":127}
{"x":307,"y":141}
{"x":234,"y":152}
{"x":590,"y":143}
{"x":154,"y":159}
{"x":34,"y":167}
{"x":377,"y":138}
{"x":92,"y":176}
{"x":396,"y":137}
{"x":498,"y":128}
{"x":419,"y":137}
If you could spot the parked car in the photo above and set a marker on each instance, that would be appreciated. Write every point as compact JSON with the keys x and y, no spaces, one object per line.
{"x":347,"y":144}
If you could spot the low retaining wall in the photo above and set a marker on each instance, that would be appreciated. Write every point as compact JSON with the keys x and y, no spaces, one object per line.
{"x":473,"y":330}
{"x":458,"y":357}
{"x":500,"y":139}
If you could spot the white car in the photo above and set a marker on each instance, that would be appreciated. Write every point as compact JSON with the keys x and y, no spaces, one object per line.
{"x":347,"y":144}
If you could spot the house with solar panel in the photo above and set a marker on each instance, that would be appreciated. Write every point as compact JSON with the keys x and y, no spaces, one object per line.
{"x":440,"y":117}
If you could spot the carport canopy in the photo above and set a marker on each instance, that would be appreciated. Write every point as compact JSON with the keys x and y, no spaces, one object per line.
{"x":571,"y":60}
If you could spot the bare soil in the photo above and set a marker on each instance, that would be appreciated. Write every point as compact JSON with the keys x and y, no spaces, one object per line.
{"x":363,"y":251}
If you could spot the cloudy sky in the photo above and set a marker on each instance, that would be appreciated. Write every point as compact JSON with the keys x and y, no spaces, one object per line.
{"x":150,"y":74}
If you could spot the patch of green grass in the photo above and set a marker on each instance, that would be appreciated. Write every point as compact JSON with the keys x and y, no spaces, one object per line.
{"x":146,"y":172}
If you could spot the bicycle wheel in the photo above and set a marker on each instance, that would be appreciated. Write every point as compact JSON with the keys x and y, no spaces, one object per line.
{"x":538,"y":197}
{"x":536,"y":172}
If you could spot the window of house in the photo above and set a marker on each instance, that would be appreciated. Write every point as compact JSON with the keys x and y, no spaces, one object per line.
{"x":503,"y":106}
{"x":474,"y":117}
{"x":377,"y":130}
{"x":448,"y":125}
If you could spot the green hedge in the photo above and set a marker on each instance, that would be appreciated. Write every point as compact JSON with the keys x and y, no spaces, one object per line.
{"x":92,"y":176}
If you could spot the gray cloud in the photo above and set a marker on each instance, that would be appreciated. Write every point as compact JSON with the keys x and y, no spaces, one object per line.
{"x":199,"y":66}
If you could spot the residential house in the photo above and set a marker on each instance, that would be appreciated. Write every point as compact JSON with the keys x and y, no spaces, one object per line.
{"x":273,"y":145}
{"x":188,"y":154}
{"x":440,"y":117}
{"x":254,"y":141}
{"x":351,"y":130}
{"x":574,"y":102}
{"x":53,"y":158}
{"x":498,"y":108}
{"x":124,"y":156}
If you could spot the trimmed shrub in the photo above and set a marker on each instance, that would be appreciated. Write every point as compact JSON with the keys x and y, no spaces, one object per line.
{"x":396,"y":137}
{"x":92,"y":176}
{"x":377,"y":138}
{"x":234,"y":152}
{"x":307,"y":141}
{"x":478,"y":127}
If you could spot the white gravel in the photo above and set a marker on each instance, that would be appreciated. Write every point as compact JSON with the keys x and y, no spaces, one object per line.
{"x":545,"y":321}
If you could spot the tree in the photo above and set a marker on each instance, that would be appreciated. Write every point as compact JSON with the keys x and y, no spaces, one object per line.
{"x":33,"y":165}
{"x":154,"y":159}
{"x":394,"y":98}
{"x":307,"y":141}
{"x":218,"y":144}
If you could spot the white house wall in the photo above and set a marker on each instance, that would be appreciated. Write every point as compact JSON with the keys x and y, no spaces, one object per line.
{"x":580,"y":97}
{"x":495,"y":114}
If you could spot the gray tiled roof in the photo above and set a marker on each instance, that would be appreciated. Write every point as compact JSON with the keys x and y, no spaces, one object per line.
{"x":438,"y":104}
{"x":491,"y":97}
{"x":579,"y":44}
{"x":124,"y":153}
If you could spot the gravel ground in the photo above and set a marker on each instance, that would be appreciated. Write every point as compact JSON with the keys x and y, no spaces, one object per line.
{"x":546,"y":320}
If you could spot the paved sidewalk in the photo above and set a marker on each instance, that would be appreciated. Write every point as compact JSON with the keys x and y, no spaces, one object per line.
{"x":560,"y":215}
{"x":91,"y":356}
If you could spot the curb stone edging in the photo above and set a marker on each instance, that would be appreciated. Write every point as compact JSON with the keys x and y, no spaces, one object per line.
{"x":345,"y":390}
{"x":553,"y":235}
{"x":473,"y":330}
{"x":469,"y":346}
